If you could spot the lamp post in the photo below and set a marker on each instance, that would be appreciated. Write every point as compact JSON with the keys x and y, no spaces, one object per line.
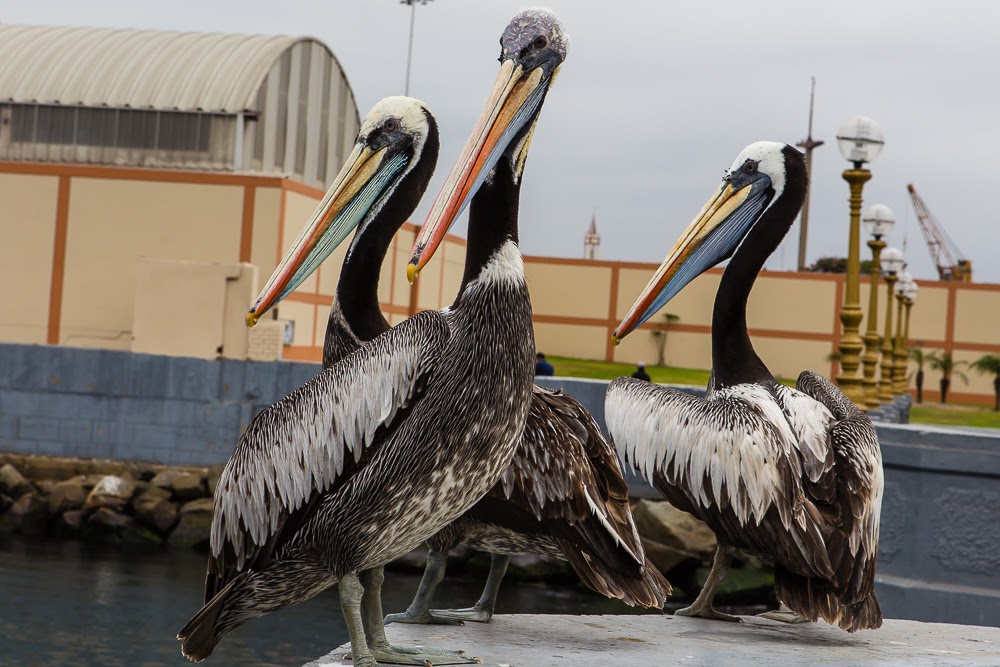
{"x":903,"y":356}
{"x":859,"y":140}
{"x":898,"y":354}
{"x":409,"y":53}
{"x":892,"y":262}
{"x":878,"y":221}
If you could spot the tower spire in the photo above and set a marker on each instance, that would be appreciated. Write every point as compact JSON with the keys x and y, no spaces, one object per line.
{"x":808,"y":144}
{"x":591,"y":240}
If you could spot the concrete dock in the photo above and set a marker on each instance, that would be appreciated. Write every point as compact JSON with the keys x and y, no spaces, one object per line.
{"x":653,"y":641}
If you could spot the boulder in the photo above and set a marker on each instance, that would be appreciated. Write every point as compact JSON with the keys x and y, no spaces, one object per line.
{"x":66,"y":496}
{"x":45,"y":486}
{"x":159,"y":514}
{"x":5,"y":502}
{"x":659,"y":521}
{"x":150,"y":493}
{"x":666,"y":558}
{"x":27,"y":515}
{"x":195,"y":524}
{"x":214,"y":473}
{"x":188,"y":486}
{"x":72,"y":520}
{"x":12,"y":482}
{"x":111,"y":491}
{"x":107,"y":524}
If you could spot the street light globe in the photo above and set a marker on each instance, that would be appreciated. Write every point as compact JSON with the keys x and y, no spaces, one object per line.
{"x":892,"y":261}
{"x":860,"y":140}
{"x":878,"y":220}
{"x":911,"y":290}
{"x":904,"y":279}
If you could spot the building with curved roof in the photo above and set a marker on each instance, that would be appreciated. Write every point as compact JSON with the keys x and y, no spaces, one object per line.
{"x":243,"y":103}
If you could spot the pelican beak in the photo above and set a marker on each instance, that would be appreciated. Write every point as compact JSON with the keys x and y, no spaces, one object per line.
{"x":512,"y":106}
{"x":710,"y":238}
{"x":365,"y":178}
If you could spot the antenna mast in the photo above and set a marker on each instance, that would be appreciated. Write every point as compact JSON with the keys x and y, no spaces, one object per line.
{"x":809,"y":144}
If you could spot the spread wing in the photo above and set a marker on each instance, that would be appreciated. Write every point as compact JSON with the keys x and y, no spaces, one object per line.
{"x":736,"y":460}
{"x":309,"y":442}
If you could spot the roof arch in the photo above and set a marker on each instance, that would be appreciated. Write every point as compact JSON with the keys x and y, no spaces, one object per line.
{"x":139,"y":69}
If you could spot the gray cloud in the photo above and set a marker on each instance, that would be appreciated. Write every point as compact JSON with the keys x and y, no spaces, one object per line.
{"x":656,"y":99}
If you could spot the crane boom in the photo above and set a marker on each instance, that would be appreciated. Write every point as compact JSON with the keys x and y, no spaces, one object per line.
{"x":951,"y":263}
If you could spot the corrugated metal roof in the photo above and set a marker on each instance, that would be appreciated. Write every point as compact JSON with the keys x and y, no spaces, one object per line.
{"x":136,"y":68}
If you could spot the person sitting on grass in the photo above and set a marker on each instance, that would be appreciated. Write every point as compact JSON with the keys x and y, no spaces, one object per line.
{"x":542,"y":366}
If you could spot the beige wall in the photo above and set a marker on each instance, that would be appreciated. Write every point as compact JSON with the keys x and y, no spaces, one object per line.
{"x":27,"y":231}
{"x":213,"y":300}
{"x":112,"y":224}
{"x":118,"y":218}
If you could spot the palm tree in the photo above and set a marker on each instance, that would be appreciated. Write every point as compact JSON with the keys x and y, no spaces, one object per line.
{"x":660,"y":334}
{"x":990,"y":365}
{"x":919,"y":356}
{"x":948,"y":366}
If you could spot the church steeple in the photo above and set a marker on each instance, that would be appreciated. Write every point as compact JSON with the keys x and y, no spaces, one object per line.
{"x":591,"y":240}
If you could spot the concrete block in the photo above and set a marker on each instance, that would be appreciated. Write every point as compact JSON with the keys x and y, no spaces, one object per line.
{"x":651,"y":640}
{"x":21,"y":446}
{"x":114,"y":372}
{"x":232,"y":377}
{"x":8,"y":423}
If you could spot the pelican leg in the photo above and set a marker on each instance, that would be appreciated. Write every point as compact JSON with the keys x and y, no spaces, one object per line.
{"x":482,"y":611}
{"x":351,"y":593}
{"x":703,"y":603}
{"x":419,"y":609}
{"x":374,"y":631}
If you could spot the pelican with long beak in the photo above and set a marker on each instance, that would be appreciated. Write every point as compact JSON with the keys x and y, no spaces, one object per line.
{"x":562,"y":494}
{"x":359,"y":465}
{"x":793,"y":476}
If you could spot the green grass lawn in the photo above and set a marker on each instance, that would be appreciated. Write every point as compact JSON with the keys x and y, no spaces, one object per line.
{"x":928,"y":413}
{"x":955,"y":414}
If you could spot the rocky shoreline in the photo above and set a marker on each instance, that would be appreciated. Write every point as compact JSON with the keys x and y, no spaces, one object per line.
{"x":132,"y":502}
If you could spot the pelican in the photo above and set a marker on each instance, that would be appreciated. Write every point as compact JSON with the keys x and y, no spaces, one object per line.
{"x":563,"y":494}
{"x":369,"y":459}
{"x":793,"y":476}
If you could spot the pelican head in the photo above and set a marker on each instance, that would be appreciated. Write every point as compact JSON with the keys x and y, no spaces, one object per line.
{"x":392,"y":139}
{"x":757,"y":179}
{"x":532,"y":48}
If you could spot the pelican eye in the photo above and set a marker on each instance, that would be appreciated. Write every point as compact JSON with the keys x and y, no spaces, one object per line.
{"x":540,"y":42}
{"x":750,"y":167}
{"x":391,"y":125}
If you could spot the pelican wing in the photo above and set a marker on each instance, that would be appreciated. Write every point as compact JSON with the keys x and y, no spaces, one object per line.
{"x":309,"y":442}
{"x":566,"y":469}
{"x":854,"y":548}
{"x":736,"y":456}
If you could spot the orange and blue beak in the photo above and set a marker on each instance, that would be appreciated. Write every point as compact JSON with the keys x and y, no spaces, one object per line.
{"x":712,"y":237}
{"x":365,"y":178}
{"x":512,"y":108}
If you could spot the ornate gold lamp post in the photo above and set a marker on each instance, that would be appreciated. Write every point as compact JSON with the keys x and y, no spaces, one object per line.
{"x":860,"y":140}
{"x":892,"y":263}
{"x":878,"y":221}
{"x":903,"y":356}
{"x":898,"y":353}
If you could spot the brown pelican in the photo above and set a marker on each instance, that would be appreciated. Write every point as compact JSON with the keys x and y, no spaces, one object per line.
{"x":791,"y":475}
{"x":563,"y":494}
{"x":367,"y":460}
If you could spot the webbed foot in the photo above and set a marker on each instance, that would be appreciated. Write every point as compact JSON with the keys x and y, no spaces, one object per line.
{"x":707,"y":611}
{"x":392,"y":654}
{"x":784,"y":616}
{"x":475,"y":614}
{"x":421,"y":618}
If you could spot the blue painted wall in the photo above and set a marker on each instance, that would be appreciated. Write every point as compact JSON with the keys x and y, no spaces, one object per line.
{"x":62,"y":401}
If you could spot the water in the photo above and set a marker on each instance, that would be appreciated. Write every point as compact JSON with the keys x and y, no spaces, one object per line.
{"x":74,"y":604}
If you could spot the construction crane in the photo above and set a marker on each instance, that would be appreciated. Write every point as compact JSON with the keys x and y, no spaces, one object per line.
{"x":950,"y":261}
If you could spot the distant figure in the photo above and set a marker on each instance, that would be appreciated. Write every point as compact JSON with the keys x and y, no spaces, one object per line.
{"x":640,"y":372}
{"x":543,"y":367}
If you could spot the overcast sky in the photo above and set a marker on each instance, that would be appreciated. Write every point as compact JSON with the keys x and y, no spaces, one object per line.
{"x":656,"y":99}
